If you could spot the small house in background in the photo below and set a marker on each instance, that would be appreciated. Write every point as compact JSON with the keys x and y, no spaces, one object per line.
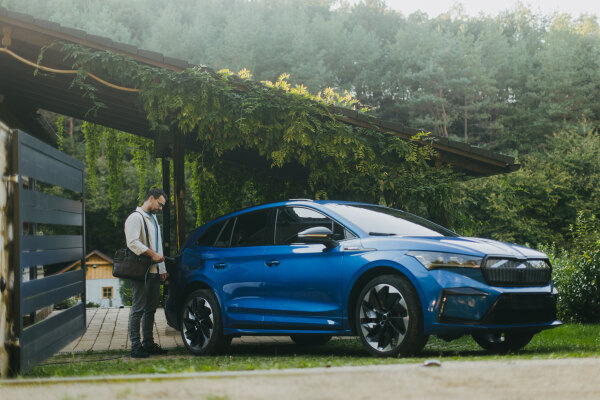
{"x":101,"y":286}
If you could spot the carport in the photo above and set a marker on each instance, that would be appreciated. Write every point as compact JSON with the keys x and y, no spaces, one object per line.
{"x":23,"y":93}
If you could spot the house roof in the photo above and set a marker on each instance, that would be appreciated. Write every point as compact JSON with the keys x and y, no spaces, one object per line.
{"x":78,"y":262}
{"x":26,"y":36}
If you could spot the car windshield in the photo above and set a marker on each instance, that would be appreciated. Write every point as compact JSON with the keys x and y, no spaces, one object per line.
{"x":383,"y":221}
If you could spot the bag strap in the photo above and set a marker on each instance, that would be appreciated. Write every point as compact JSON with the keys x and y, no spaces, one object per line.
{"x":145,"y":227}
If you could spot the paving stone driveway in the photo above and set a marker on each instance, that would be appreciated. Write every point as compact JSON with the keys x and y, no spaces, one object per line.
{"x":108,"y":329}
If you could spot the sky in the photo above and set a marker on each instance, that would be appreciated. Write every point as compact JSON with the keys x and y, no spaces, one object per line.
{"x":492,"y":7}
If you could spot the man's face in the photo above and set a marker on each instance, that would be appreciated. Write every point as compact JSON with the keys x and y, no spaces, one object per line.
{"x":157,"y":204}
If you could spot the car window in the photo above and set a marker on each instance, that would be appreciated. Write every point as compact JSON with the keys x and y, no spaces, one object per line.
{"x":250,"y":229}
{"x":292,"y":220}
{"x":209,"y":236}
{"x":384,"y":221}
{"x":225,"y":235}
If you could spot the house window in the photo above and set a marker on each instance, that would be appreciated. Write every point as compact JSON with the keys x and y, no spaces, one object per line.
{"x":107,"y":292}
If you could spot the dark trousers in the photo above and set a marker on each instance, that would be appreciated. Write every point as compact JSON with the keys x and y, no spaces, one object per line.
{"x":143,"y":306}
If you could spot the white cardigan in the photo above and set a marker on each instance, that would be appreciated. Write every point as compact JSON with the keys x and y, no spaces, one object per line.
{"x":135,"y":236}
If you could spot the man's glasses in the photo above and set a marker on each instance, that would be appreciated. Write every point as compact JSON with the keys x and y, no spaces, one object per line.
{"x":161,"y":204}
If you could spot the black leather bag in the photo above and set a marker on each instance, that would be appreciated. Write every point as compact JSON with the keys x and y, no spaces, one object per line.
{"x":128,"y":265}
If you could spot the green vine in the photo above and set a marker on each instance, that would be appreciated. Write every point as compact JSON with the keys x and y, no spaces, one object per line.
{"x":142,"y":150}
{"x":301,"y":149}
{"x":93,"y":138}
{"x":60,"y":132}
{"x":115,"y":145}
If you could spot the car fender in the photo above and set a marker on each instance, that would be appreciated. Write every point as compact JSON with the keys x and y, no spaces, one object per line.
{"x":393,"y":263}
{"x":201,"y":280}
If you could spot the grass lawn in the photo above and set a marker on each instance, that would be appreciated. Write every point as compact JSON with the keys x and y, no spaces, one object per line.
{"x":571,"y":340}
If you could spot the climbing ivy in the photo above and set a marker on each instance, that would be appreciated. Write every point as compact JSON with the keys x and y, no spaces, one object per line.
{"x":93,"y":135}
{"x":60,"y":132}
{"x":301,"y":148}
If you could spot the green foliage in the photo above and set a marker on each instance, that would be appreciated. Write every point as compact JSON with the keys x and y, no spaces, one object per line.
{"x":507,"y":81}
{"x":60,"y":132}
{"x":125,"y":291}
{"x":539,"y":202}
{"x":576,"y":272}
{"x":142,"y":150}
{"x":93,"y":138}
{"x":115,"y":146}
{"x":66,"y":303}
{"x":285,"y":126}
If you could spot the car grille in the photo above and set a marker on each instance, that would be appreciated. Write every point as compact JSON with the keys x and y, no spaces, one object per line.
{"x":509,"y":272}
{"x":519,"y":308}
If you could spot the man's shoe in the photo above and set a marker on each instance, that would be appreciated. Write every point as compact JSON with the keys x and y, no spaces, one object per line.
{"x":154,"y":349}
{"x":139,"y":352}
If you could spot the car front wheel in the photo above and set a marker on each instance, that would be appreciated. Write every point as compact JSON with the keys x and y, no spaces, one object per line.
{"x":388,"y":317}
{"x":503,"y":342}
{"x":201,"y":328}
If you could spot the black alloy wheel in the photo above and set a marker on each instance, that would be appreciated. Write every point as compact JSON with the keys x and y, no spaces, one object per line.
{"x":310,"y":339}
{"x":388,"y":317}
{"x":503,"y":342}
{"x":201,"y":328}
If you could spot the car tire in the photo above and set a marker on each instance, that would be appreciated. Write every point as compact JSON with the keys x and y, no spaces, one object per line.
{"x":503,"y":342}
{"x":310,"y":340}
{"x":388,"y":317}
{"x":201,"y":327}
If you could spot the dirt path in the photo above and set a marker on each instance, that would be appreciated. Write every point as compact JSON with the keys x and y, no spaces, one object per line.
{"x":520,"y":379}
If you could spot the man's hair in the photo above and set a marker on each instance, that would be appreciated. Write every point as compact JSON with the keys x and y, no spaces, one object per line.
{"x":156,"y":193}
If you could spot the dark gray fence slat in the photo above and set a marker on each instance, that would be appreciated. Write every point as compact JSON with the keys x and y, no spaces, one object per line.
{"x":38,"y":165}
{"x":50,"y":290}
{"x":48,"y":257}
{"x":51,"y":242}
{"x":46,"y":201}
{"x":45,"y":338}
{"x":49,"y":151}
{"x":41,"y":216}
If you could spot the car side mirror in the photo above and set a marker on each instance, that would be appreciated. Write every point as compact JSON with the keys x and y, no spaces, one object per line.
{"x":320,"y":235}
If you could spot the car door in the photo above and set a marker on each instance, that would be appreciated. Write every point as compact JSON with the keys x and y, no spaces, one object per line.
{"x":302,"y":281}
{"x":235,"y":264}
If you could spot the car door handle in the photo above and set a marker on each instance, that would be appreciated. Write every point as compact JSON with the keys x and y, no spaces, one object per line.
{"x":220,"y":265}
{"x":272,"y":263}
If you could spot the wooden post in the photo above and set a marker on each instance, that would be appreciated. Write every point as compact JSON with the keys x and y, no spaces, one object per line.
{"x":166,"y":233}
{"x":179,"y":188}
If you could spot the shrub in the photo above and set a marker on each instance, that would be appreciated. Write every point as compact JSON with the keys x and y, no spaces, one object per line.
{"x":66,"y":303}
{"x":576,"y":273}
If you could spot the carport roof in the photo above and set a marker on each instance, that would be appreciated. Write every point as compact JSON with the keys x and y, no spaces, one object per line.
{"x":26,"y":35}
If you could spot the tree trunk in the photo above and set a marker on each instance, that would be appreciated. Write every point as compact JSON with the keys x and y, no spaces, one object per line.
{"x":444,"y":119}
{"x":466,"y":122}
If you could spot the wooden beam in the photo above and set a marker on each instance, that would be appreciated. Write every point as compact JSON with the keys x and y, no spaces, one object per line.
{"x":166,"y":176}
{"x":179,"y":188}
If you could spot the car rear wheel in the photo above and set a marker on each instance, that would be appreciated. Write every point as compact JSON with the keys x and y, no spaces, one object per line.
{"x":503,"y":342}
{"x":201,"y":327}
{"x":388,"y":317}
{"x":310,"y":340}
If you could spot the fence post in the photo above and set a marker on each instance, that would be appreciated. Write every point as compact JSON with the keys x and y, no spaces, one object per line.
{"x":6,"y":281}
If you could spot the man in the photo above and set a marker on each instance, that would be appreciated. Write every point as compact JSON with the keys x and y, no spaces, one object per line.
{"x":146,"y":293}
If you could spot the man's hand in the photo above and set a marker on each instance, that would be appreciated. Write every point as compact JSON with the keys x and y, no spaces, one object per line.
{"x":163,"y":277}
{"x":156,"y":258}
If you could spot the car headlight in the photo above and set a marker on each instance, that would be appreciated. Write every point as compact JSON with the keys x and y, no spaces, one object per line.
{"x":435,"y":259}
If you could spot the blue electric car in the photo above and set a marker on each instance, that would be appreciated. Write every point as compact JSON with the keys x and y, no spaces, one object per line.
{"x":314,"y":269}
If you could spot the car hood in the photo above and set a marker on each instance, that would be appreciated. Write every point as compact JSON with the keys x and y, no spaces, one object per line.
{"x":463,"y":245}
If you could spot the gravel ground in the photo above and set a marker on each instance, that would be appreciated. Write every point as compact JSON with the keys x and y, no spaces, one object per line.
{"x":512,"y":379}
